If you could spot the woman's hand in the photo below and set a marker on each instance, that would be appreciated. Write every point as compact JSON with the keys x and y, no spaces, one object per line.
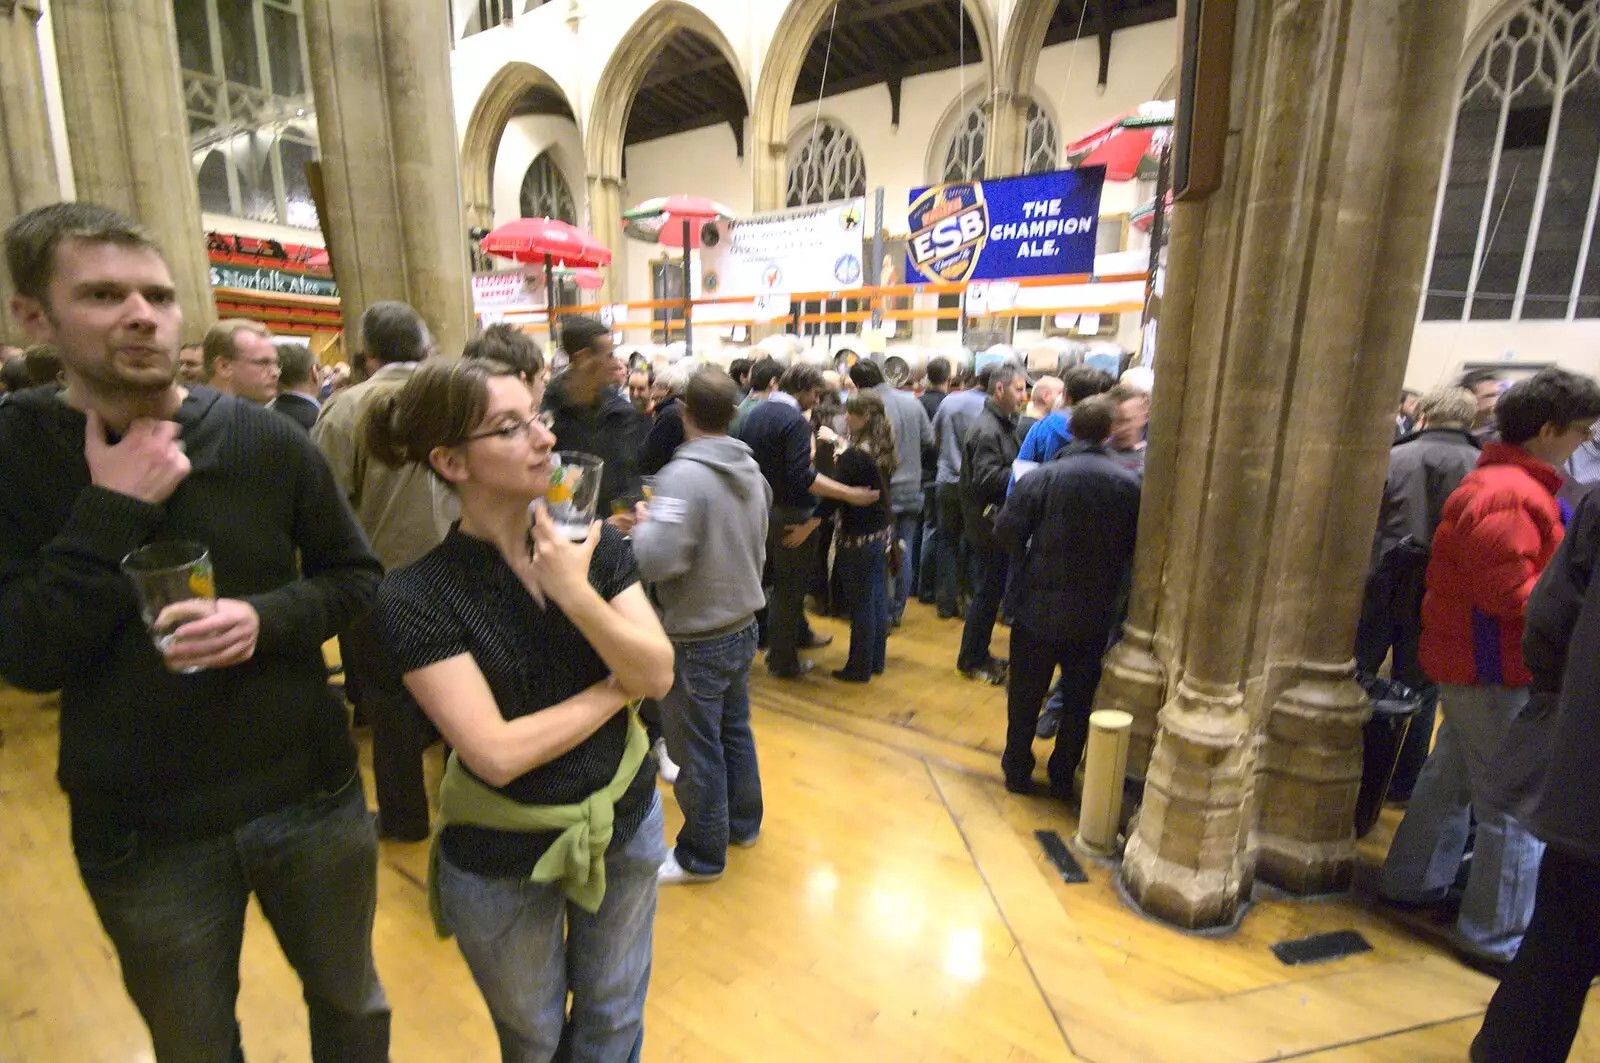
{"x":557,"y":567}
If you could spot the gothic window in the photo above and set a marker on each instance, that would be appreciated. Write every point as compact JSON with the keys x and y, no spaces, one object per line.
{"x":213,"y":179}
{"x":1041,"y":147}
{"x":1515,"y":234}
{"x":826,"y":167}
{"x":545,"y":193}
{"x":969,"y":146}
{"x":251,"y":123}
{"x":967,"y":153}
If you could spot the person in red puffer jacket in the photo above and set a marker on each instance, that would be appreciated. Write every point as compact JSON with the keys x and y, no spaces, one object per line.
{"x":1498,"y":531}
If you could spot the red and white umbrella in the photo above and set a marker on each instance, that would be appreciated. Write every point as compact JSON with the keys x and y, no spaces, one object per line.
{"x":555,"y":243}
{"x":545,"y":240}
{"x":1123,"y":145}
{"x":661,"y":220}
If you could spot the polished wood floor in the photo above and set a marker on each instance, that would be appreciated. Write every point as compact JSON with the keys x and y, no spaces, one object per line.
{"x":896,"y":908}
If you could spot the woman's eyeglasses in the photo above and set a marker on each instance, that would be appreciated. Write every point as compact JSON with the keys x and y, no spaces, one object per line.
{"x":510,"y":431}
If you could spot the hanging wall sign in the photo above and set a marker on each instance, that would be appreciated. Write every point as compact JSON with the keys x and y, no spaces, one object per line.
{"x":813,"y":249}
{"x":1043,"y":225}
{"x":281,"y":282}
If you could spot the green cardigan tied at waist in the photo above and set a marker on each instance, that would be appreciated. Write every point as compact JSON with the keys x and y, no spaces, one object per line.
{"x":577,"y":858}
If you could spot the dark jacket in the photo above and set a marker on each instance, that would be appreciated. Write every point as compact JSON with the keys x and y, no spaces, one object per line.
{"x":986,"y":457}
{"x":779,"y":437}
{"x":612,"y":431}
{"x":1561,"y":645}
{"x":1073,"y":523}
{"x":1424,"y":469}
{"x":144,"y":750}
{"x":298,"y":408}
{"x":665,"y":437}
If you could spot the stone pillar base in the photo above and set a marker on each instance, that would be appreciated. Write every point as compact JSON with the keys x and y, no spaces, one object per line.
{"x":1134,"y":682}
{"x":1309,"y":778}
{"x":1186,"y":862}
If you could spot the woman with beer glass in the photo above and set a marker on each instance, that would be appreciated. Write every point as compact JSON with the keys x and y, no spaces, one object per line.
{"x":526,"y":649}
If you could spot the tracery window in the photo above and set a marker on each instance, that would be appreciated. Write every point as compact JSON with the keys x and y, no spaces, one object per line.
{"x":545,"y":193}
{"x":968,"y":148}
{"x":826,"y":167}
{"x":1514,"y":238}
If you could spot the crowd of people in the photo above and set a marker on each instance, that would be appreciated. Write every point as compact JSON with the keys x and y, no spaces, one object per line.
{"x":409,"y":515}
{"x":1479,"y":598}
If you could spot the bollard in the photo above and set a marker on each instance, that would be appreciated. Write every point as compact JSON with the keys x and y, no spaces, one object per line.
{"x":1105,"y":764}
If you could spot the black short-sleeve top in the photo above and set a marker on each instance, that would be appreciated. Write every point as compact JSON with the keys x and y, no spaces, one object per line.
{"x":462,"y":597}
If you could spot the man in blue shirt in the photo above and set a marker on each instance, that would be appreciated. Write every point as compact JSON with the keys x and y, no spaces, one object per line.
{"x":1045,"y":439}
{"x":778,"y":434}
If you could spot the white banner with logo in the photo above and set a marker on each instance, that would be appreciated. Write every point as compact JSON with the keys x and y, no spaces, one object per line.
{"x":812,"y":249}
{"x":507,"y":288}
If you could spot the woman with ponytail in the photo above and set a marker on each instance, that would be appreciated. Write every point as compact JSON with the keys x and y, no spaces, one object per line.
{"x":526,"y":650}
{"x":864,"y":535}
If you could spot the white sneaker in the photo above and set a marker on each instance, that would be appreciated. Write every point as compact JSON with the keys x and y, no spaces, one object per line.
{"x":669,"y":770}
{"x":672,"y":873}
{"x":746,"y":843}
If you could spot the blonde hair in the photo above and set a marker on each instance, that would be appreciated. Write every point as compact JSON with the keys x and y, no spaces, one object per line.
{"x":1448,"y":407}
{"x":218,"y":343}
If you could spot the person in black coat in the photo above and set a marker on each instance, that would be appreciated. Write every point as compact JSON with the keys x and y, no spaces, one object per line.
{"x":1425,"y":467}
{"x":986,"y":458}
{"x":1072,"y":524}
{"x":1554,"y":755}
{"x":297,"y":385}
{"x":591,"y":416}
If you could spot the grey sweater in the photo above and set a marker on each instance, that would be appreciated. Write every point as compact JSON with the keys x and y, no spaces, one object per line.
{"x":706,"y":540}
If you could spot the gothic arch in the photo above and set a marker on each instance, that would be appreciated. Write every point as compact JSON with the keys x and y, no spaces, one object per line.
{"x":1022,"y":43}
{"x":625,"y":71}
{"x":480,"y":143}
{"x":786,"y":53}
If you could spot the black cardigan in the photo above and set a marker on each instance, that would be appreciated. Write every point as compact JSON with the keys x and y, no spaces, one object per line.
{"x":142,"y":748}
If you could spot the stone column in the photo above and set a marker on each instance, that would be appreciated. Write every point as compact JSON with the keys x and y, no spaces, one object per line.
{"x":771,"y":163}
{"x":126,"y":129}
{"x":1272,"y":390}
{"x":1365,"y":289}
{"x":1008,"y":128}
{"x":605,"y":222}
{"x":28,"y":168}
{"x":380,"y":76}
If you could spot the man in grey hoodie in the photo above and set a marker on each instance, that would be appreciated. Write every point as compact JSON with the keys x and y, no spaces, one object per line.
{"x":702,"y":541}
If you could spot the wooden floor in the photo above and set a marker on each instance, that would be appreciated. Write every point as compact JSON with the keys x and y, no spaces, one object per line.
{"x":897,"y":908}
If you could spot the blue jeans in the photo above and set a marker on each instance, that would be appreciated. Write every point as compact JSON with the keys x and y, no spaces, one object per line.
{"x":992,"y":567}
{"x":175,"y":914}
{"x":908,"y":529}
{"x":864,"y":571}
{"x":706,"y":717}
{"x":1427,"y":849}
{"x":527,"y":946}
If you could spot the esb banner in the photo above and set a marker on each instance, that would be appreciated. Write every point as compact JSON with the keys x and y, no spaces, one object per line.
{"x":813,"y":249}
{"x":1038,"y":226}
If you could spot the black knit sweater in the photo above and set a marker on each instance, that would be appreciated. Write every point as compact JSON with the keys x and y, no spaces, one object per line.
{"x":180,"y":756}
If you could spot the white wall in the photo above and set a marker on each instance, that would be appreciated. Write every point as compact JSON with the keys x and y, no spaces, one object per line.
{"x":1440,"y":348}
{"x":526,"y":138}
{"x":702,"y":162}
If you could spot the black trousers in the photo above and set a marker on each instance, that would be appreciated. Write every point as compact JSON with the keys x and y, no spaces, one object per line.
{"x":401,"y":732}
{"x":1534,"y":1015}
{"x":787,"y":629}
{"x":1034,"y":659}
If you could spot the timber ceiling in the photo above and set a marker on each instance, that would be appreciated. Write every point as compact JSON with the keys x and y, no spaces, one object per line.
{"x":875,"y":42}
